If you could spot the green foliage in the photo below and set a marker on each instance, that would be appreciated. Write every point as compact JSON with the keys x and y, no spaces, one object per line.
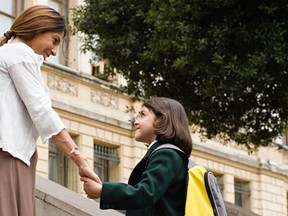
{"x":224,"y":60}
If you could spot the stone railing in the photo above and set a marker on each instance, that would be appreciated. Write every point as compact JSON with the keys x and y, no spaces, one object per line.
{"x":54,"y":199}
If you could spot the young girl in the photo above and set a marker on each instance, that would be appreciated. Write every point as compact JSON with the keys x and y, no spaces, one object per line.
{"x":157,"y":184}
{"x":25,"y":108}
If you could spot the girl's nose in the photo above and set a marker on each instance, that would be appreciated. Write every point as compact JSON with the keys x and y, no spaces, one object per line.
{"x":135,"y":123}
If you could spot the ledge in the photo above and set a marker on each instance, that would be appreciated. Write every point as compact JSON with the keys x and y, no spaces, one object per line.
{"x":54,"y":199}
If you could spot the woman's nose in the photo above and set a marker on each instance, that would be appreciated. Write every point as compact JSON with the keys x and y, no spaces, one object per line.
{"x":54,"y":51}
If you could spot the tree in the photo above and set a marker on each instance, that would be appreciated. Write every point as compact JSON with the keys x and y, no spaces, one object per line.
{"x":224,"y":60}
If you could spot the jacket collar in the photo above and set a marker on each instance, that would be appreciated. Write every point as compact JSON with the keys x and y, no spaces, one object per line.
{"x":151,"y":149}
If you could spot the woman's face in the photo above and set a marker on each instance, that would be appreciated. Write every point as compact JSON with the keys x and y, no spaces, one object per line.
{"x":46,"y":43}
{"x":144,"y":130}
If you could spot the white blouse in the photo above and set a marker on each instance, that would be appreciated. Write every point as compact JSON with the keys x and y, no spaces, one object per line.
{"x":25,"y":105}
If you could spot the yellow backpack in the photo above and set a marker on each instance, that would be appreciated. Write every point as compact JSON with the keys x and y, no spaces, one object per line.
{"x":203,"y":197}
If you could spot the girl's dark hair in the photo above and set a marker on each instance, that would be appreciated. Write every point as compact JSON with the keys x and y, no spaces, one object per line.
{"x":171,"y":125}
{"x":34,"y":20}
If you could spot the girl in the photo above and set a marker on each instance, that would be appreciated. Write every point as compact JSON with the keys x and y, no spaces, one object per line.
{"x":25,"y":108}
{"x":157,"y":183}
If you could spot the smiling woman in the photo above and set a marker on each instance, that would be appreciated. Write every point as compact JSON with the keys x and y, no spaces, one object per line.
{"x":26,"y":108}
{"x":44,"y":44}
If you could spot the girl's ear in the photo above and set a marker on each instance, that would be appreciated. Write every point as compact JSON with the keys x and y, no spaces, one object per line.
{"x":156,"y":120}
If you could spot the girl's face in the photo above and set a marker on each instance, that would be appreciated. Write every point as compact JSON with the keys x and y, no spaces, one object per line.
{"x":144,"y":130}
{"x":46,"y":43}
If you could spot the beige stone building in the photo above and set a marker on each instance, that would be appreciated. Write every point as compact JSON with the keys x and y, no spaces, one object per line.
{"x":99,"y":120}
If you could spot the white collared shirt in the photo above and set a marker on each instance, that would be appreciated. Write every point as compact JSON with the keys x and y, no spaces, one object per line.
{"x":149,"y":146}
{"x":25,"y":105}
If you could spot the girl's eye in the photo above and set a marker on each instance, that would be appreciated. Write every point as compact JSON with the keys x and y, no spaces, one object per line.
{"x":140,"y":115}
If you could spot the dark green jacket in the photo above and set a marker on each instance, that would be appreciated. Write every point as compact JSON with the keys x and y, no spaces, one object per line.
{"x":156,"y":186}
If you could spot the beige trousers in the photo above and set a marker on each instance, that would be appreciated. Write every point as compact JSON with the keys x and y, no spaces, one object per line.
{"x":17,"y":186}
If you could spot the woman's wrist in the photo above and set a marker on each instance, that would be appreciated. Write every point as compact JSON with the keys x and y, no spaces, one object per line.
{"x":73,"y":151}
{"x":78,"y":158}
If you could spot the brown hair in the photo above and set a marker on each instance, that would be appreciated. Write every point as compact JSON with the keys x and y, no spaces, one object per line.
{"x":35,"y":20}
{"x":171,"y":125}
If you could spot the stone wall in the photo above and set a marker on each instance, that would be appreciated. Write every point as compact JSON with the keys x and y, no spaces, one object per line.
{"x":54,"y":199}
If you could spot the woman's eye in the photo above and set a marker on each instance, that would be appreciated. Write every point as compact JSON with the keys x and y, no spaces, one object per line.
{"x":56,"y":41}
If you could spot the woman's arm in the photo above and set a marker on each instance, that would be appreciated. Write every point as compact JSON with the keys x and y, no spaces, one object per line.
{"x":66,"y":145}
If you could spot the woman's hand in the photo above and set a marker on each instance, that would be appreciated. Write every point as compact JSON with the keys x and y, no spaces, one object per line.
{"x":92,"y":188}
{"x":86,"y":171}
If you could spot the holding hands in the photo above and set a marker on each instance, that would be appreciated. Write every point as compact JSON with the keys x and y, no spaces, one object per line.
{"x":92,"y":187}
{"x":87,"y":172}
{"x":65,"y":143}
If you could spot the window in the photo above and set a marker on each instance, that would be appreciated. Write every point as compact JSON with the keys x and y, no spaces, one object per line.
{"x":62,"y":7}
{"x":219,"y":179}
{"x":102,"y":71}
{"x":242,"y":194}
{"x":287,"y":202}
{"x":106,"y":160}
{"x":58,"y":168}
{"x":285,"y":139}
{"x":282,"y":142}
{"x":9,"y":10}
{"x":95,"y":70}
{"x":62,"y":170}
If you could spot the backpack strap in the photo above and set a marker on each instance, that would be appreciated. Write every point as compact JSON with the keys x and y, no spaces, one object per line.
{"x":185,"y":159}
{"x":191,"y":163}
{"x":211,"y":184}
{"x":169,"y":145}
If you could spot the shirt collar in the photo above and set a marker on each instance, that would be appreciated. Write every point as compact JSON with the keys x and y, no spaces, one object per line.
{"x":152,"y":143}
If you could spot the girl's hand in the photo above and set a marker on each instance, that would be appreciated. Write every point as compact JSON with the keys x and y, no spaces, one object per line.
{"x":91,"y":187}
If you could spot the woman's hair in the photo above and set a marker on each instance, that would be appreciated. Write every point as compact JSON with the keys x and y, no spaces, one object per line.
{"x":35,"y":20}
{"x":171,"y":125}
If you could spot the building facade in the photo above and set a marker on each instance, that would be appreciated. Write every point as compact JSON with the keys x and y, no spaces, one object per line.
{"x":99,"y":120}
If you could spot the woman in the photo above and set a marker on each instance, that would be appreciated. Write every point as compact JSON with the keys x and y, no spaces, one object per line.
{"x":25,"y":108}
{"x":157,"y":184}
